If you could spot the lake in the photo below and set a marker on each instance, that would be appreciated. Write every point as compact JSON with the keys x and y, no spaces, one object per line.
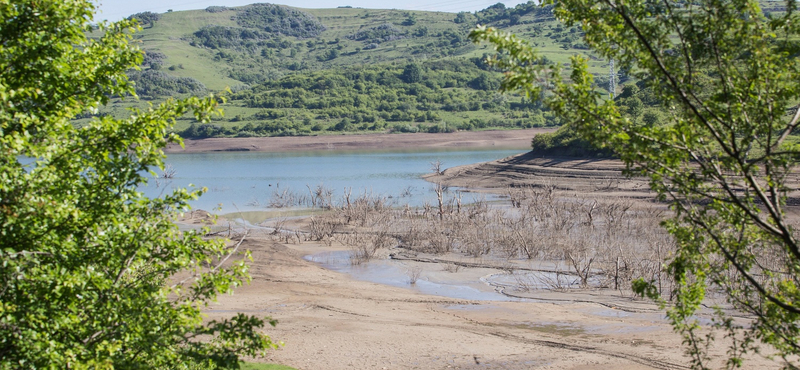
{"x":246,"y":181}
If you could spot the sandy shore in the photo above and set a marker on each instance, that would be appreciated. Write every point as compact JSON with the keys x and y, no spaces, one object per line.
{"x":462,"y":139}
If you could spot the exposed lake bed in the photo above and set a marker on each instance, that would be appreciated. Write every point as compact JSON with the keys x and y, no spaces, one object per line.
{"x":462,"y":311}
{"x":331,"y":316}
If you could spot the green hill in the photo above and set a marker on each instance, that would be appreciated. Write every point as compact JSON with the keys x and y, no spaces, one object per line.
{"x":315,"y":71}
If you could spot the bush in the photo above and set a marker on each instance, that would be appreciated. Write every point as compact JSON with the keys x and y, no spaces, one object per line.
{"x":405,"y":128}
{"x":217,"y":9}
{"x":146,"y":18}
{"x":157,"y":83}
{"x":217,"y":37}
{"x":565,"y":141}
{"x":153,"y":58}
{"x":378,"y":34}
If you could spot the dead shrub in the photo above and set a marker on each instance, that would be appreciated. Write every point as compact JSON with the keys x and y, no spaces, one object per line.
{"x":323,"y":227}
{"x":451,"y":267}
{"x":594,"y":242}
{"x":414,"y":274}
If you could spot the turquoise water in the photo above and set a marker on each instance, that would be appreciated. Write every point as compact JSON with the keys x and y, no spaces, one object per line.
{"x":245,"y":181}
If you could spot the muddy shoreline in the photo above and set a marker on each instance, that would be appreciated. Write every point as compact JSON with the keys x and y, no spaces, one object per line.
{"x":587,"y":177}
{"x":511,"y":139}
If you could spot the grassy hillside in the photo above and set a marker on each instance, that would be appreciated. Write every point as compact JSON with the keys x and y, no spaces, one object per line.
{"x":353,"y":36}
{"x":315,"y":71}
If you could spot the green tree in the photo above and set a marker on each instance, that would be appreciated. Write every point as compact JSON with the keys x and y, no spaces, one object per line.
{"x":146,"y":18}
{"x":728,"y":77}
{"x":412,"y":73}
{"x":88,"y":264}
{"x":329,"y":54}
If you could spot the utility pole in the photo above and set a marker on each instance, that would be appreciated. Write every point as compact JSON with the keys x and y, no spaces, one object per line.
{"x":612,"y":79}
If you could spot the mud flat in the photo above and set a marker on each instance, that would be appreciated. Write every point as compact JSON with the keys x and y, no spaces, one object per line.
{"x":462,"y":139}
{"x":328,"y":320}
{"x":583,"y":177}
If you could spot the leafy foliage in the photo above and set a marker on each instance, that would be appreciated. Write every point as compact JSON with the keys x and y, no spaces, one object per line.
{"x":87,"y":264}
{"x":219,"y":37}
{"x":146,"y":18}
{"x":727,"y":75}
{"x":411,"y":73}
{"x":217,"y":9}
{"x":279,"y":19}
{"x":378,"y":34}
{"x":153,"y":58}
{"x":566,"y":142}
{"x":638,"y":105}
{"x":155,"y":83}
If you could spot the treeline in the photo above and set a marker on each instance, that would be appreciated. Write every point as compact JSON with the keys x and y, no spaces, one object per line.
{"x":453,"y":86}
{"x":279,"y":19}
{"x":146,"y":18}
{"x":222,"y":37}
{"x":268,"y":123}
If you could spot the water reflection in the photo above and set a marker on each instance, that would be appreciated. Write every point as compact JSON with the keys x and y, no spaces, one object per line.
{"x":395,"y":273}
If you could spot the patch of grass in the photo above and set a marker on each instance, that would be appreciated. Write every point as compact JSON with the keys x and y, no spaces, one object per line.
{"x":258,"y":366}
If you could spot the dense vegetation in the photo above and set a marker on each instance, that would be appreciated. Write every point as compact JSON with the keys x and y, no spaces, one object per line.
{"x":412,"y":98}
{"x":223,"y":37}
{"x":279,"y":19}
{"x":146,"y":18}
{"x":153,"y":82}
{"x":378,"y":34}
